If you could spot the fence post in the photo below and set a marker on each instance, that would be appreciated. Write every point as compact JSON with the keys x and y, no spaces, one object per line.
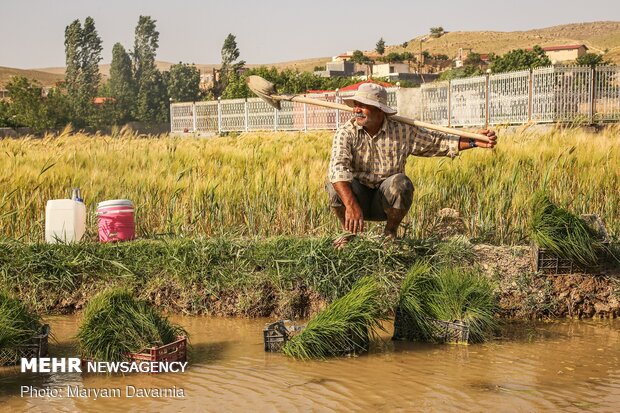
{"x":337,"y":100}
{"x":247,"y":115}
{"x":275,"y":119}
{"x":530,"y":96}
{"x":219,"y":115}
{"x":449,"y":103}
{"x":194,"y":118}
{"x":486,"y":101}
{"x":592,"y":94}
{"x":305,"y":117}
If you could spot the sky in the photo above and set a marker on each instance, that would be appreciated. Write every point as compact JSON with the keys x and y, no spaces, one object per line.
{"x":268,"y":31}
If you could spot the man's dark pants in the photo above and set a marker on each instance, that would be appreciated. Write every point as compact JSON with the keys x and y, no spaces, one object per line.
{"x":395,"y":192}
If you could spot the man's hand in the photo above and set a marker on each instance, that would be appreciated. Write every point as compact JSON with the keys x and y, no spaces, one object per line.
{"x":489,"y":134}
{"x":353,"y":218}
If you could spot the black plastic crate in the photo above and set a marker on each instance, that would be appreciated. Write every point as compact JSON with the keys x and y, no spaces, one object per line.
{"x":276,"y":334}
{"x":36,"y":347}
{"x":453,"y":332}
{"x":547,"y":262}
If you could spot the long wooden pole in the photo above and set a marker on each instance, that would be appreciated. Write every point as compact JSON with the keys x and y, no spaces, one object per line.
{"x":409,"y":121}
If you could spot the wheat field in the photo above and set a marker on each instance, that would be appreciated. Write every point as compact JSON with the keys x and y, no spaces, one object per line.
{"x":265,"y":184}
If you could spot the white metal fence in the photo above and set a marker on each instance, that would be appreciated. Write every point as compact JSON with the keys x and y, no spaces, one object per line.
{"x":550,"y":94}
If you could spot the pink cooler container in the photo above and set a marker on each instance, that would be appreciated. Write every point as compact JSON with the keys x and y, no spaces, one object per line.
{"x":116,"y":220}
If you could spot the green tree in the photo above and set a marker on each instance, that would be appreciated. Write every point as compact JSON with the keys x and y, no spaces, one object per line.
{"x":460,"y":72}
{"x":152,"y":98}
{"x":437,"y":31}
{"x":236,"y":87}
{"x":380,"y":46}
{"x":5,"y":115}
{"x":27,"y":107}
{"x":122,"y":86}
{"x":407,"y":57}
{"x":83,"y":53}
{"x":473,"y":59}
{"x":230,"y":53}
{"x":360,"y":58}
{"x":288,"y":82}
{"x":184,"y":83}
{"x":393,"y":57}
{"x":519,"y":59}
{"x":591,"y":59}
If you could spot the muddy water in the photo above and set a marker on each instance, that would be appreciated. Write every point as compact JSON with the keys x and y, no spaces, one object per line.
{"x":564,"y":366}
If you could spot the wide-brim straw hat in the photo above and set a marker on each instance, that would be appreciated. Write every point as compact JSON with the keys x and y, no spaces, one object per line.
{"x":371,"y":94}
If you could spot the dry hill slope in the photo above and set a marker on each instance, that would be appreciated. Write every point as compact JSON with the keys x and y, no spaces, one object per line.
{"x":45,"y":78}
{"x":598,"y":36}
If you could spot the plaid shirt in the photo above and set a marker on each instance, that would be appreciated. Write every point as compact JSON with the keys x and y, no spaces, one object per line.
{"x":372,"y":159}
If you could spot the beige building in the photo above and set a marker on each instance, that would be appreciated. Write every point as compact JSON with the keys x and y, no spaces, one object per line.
{"x":565,"y":53}
{"x":389,"y":69}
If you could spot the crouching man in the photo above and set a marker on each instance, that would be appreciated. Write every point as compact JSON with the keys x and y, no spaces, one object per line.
{"x":367,"y":180}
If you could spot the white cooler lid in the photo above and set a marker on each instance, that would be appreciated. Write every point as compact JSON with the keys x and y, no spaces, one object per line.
{"x":115,"y":202}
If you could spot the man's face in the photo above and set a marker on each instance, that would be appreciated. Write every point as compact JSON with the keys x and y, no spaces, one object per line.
{"x":367,"y":116}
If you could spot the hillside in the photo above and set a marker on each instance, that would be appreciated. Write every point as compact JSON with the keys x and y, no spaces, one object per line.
{"x":43,"y":77}
{"x":598,"y":36}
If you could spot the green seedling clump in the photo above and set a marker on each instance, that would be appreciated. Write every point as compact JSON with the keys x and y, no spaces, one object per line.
{"x":115,"y":324}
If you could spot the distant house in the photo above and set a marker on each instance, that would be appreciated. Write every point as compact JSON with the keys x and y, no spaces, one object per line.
{"x":462,"y":55}
{"x":390,"y":70}
{"x":342,"y":68}
{"x":207,"y":80}
{"x":565,"y":53}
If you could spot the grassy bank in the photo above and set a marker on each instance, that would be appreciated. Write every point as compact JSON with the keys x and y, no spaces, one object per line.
{"x":216,"y":276}
{"x":269,"y":184}
{"x":283,"y":277}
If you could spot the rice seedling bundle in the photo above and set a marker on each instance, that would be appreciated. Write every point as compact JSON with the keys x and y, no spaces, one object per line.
{"x":447,"y":294}
{"x":565,"y":234}
{"x":17,"y":323}
{"x":116,"y":324}
{"x":344,"y":325}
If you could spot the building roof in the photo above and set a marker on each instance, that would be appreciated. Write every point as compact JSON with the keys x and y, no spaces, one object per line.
{"x":354,"y":86}
{"x":348,"y":55}
{"x":566,"y":47}
{"x":101,"y":100}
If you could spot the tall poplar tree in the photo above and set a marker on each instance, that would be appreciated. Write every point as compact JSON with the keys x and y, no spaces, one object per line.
{"x":83,"y":53}
{"x":152,"y":99}
{"x":230,"y":53}
{"x":122,"y":85}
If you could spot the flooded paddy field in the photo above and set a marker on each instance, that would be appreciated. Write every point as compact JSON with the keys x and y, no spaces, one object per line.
{"x":555,"y":366}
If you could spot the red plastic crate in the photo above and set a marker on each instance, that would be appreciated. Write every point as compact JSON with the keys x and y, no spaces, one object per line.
{"x":175,"y":351}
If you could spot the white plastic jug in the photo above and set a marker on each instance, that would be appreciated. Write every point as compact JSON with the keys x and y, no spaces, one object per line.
{"x":65,"y":220}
